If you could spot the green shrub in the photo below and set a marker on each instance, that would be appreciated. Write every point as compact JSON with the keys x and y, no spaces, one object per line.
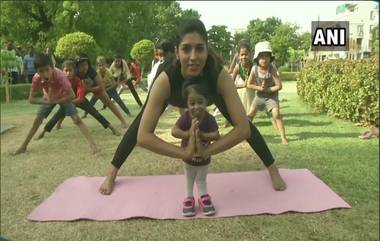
{"x":9,"y":60}
{"x":75,"y":43}
{"x":143,"y":51}
{"x":18,"y":92}
{"x":288,"y":76}
{"x":284,"y":68}
{"x":346,"y":89}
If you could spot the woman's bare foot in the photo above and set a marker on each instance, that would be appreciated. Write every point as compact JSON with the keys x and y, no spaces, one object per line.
{"x":277,"y":181}
{"x":20,"y":150}
{"x":107,"y":186}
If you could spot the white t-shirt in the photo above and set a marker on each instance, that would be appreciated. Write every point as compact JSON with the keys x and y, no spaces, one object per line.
{"x":152,"y":74}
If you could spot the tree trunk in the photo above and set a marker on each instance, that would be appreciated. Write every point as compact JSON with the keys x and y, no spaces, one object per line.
{"x":142,"y":74}
{"x":7,"y":90}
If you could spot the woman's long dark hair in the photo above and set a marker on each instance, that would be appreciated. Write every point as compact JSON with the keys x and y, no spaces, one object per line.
{"x":214,"y":62}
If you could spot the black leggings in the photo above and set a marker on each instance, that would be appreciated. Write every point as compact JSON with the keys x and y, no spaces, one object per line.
{"x":84,"y":105}
{"x":112,"y":93}
{"x":129,"y":140}
{"x":133,"y":91}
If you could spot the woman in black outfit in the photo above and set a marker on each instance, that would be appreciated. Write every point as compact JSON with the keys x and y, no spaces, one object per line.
{"x":193,"y":58}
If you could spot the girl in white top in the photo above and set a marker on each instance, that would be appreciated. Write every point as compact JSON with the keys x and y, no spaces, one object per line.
{"x":240,"y":75}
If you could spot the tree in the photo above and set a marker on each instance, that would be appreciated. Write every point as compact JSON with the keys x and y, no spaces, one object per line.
{"x":295,"y":57}
{"x":221,"y":40}
{"x":259,"y":30}
{"x":284,"y":38}
{"x":239,"y":36}
{"x":143,"y":51}
{"x":69,"y":15}
{"x":29,"y":21}
{"x":73,"y":44}
{"x":115,"y":25}
{"x":167,"y":18}
{"x":305,"y":40}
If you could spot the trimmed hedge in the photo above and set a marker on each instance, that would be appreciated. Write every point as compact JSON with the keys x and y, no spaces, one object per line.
{"x":346,"y":89}
{"x":72,"y":44}
{"x":288,"y":76}
{"x":143,"y":52}
{"x":18,"y":92}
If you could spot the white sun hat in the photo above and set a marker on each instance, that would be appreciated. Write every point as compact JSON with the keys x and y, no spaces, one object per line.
{"x":262,"y":47}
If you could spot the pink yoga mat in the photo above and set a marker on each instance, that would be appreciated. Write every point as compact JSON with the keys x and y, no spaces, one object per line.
{"x":160,"y":197}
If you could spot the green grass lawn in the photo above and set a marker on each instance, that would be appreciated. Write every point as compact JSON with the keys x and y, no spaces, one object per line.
{"x":326,"y":146}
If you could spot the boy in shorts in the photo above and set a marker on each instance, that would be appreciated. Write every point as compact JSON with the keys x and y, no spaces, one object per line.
{"x":57,"y":90}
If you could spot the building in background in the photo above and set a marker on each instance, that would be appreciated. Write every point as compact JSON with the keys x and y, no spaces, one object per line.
{"x":363,"y":18}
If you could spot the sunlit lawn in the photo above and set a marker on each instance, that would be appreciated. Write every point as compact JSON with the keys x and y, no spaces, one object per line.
{"x":327,"y":146}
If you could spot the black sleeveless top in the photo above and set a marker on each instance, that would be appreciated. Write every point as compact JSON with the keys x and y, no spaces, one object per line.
{"x":176,"y":81}
{"x":269,"y":82}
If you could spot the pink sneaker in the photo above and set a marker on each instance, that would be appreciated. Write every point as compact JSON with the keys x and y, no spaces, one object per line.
{"x":206,"y":206}
{"x":188,"y":207}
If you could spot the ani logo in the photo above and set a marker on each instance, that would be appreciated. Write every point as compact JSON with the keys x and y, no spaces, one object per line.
{"x":329,"y":36}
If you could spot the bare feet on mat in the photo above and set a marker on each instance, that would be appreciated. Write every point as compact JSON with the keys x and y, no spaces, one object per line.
{"x":277,"y":181}
{"x":107,"y":186}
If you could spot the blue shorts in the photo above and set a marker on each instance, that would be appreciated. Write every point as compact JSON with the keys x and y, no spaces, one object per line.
{"x":45,"y":109}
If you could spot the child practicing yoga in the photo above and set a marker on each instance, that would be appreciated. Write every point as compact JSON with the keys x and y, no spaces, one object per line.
{"x":110,"y":85}
{"x":240,"y":76}
{"x":265,"y":79}
{"x":196,"y":125}
{"x":93,"y":82}
{"x":80,"y":101}
{"x":57,"y":91}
